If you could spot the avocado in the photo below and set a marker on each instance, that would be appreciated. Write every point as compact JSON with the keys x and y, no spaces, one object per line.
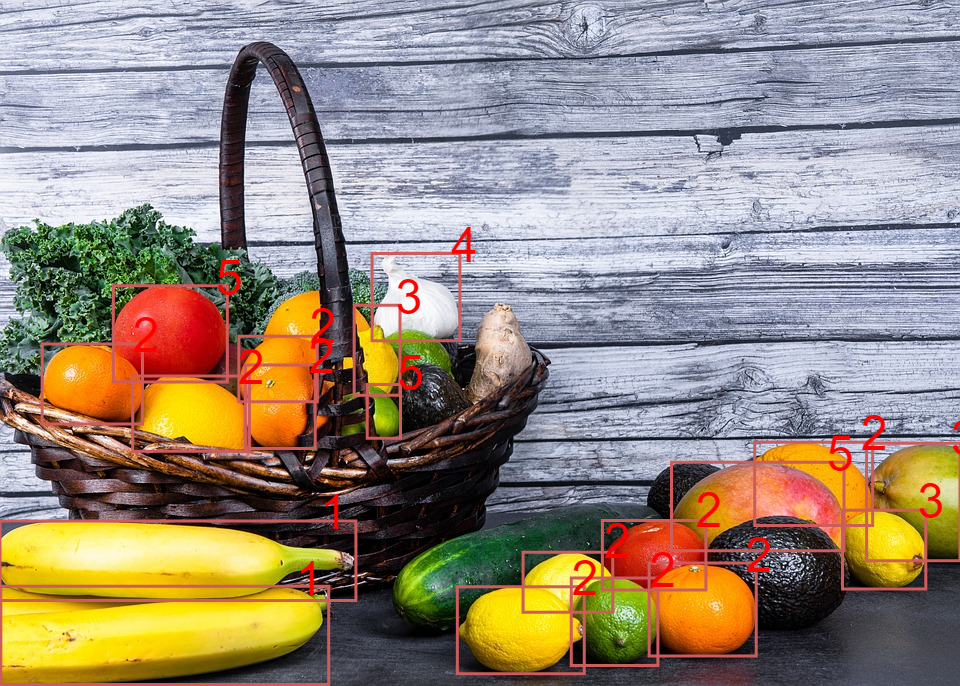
{"x":437,"y":397}
{"x":801,"y":588}
{"x":685,"y":477}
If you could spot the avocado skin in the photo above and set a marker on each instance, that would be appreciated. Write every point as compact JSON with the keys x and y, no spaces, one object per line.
{"x":801,"y":588}
{"x":685,"y":477}
{"x":437,"y":397}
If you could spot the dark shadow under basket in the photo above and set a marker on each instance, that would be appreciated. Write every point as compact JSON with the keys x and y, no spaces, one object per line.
{"x":405,"y":494}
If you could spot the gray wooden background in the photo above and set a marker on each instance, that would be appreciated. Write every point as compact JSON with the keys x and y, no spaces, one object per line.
{"x":722,"y":220}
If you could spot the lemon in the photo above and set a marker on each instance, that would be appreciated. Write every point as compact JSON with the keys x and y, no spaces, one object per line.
{"x":890,"y":538}
{"x":560,"y":569}
{"x":508,"y":637}
{"x":204,"y":413}
{"x":379,"y":360}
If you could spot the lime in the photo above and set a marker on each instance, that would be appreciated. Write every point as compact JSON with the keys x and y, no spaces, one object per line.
{"x":557,"y":571}
{"x":386,"y":416}
{"x":890,"y":538}
{"x":621,"y":636}
{"x":430,"y":352}
{"x":512,"y":634}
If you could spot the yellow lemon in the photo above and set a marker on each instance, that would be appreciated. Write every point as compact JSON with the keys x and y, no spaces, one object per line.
{"x":205,"y":413}
{"x":379,"y":360}
{"x":849,"y":486}
{"x":890,"y":538}
{"x":560,"y":569}
{"x":506,"y":636}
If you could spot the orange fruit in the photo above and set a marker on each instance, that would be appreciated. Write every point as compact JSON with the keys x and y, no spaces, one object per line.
{"x":280,"y":351}
{"x":79,"y":378}
{"x":849,"y":482}
{"x":276,"y":424}
{"x":714,"y":621}
{"x":294,"y":317}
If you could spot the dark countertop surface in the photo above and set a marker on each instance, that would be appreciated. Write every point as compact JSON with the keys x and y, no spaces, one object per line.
{"x":874,"y":638}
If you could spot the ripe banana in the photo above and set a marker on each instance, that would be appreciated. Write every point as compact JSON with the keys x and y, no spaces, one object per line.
{"x":178,"y":561}
{"x":48,"y":603}
{"x":145,"y":641}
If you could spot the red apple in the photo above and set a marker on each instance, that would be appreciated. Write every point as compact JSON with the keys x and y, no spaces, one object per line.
{"x":644,"y":545}
{"x":780,"y":490}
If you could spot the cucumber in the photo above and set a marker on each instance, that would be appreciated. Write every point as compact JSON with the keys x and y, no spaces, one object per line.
{"x":424,"y":593}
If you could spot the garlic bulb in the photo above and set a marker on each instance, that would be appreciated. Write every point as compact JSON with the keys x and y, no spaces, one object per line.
{"x":437,"y":314}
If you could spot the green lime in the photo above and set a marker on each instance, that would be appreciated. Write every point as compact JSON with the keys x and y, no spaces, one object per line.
{"x":618,"y":637}
{"x":386,"y":416}
{"x":430,"y":352}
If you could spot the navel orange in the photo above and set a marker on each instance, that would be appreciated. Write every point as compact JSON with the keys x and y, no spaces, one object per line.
{"x":713,"y":621}
{"x":80,"y":378}
{"x":294,"y":317}
{"x":277,"y":424}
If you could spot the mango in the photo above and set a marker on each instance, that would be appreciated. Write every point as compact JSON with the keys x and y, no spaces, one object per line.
{"x":898,"y":484}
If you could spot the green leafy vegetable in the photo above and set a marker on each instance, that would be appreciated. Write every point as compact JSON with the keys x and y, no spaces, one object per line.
{"x":65,"y":275}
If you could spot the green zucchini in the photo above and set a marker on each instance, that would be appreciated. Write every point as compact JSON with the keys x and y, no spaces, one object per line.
{"x":424,"y":593}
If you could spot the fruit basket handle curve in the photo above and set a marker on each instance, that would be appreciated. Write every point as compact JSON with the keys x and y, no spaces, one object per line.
{"x":332,"y":267}
{"x":328,"y":234}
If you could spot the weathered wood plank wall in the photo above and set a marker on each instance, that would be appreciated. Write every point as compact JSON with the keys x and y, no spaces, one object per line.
{"x":723,"y":221}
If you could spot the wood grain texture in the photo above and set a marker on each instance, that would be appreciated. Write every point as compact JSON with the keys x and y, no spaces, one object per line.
{"x":757,"y":286}
{"x":31,"y":507}
{"x":523,"y":189}
{"x":748,"y":390}
{"x":818,"y":87}
{"x":48,"y":36}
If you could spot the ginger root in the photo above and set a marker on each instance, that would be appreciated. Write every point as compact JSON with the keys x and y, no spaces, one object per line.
{"x":502,"y":353}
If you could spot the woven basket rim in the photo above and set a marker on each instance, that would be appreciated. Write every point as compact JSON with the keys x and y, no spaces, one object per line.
{"x":414,"y":450}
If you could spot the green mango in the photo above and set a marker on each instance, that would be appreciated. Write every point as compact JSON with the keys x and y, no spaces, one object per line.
{"x":898,"y":484}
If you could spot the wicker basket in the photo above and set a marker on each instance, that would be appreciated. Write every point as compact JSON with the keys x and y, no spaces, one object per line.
{"x":406,"y":493}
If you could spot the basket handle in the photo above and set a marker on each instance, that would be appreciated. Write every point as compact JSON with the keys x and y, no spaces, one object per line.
{"x":332,"y":268}
{"x":332,"y":265}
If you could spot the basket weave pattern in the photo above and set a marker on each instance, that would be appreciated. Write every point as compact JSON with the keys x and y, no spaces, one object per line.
{"x":406,"y":493}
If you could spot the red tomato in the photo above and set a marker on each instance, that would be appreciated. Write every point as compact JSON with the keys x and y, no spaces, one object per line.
{"x":184,"y":329}
{"x":643,"y":542}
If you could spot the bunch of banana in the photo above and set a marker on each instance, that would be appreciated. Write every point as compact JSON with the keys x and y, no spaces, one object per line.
{"x":99,"y":558}
{"x":68,"y":640}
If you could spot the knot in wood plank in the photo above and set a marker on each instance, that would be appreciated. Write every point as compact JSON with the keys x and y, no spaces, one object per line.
{"x":585,"y":28}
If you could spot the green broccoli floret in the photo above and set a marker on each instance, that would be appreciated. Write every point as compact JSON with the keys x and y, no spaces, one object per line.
{"x":360,"y":287}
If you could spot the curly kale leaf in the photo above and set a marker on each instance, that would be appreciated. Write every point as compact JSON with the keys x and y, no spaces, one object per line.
{"x":65,"y":277}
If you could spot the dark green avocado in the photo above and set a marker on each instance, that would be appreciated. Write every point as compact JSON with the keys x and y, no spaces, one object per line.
{"x":685,"y":477}
{"x":437,"y":397}
{"x":801,"y":588}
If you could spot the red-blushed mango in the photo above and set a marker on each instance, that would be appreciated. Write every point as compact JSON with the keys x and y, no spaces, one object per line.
{"x":779,"y":491}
